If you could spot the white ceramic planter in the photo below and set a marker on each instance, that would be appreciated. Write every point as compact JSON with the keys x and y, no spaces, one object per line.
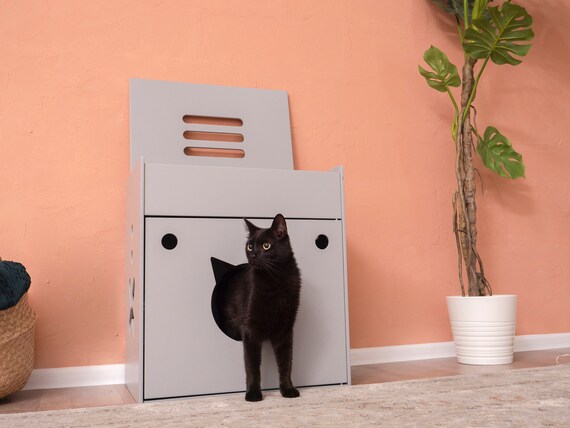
{"x":483,"y":328}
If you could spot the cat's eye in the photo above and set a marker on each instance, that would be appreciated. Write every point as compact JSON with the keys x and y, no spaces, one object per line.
{"x":266,"y":246}
{"x":249,"y":247}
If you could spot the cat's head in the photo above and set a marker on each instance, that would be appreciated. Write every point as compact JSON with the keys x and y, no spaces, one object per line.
{"x":268,"y":249}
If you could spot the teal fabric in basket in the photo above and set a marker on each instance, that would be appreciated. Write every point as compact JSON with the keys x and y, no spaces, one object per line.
{"x":14,"y":282}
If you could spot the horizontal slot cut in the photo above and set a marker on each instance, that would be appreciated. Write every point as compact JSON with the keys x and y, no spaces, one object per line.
{"x":228,"y":137}
{"x":211,"y":120}
{"x":214,"y":153}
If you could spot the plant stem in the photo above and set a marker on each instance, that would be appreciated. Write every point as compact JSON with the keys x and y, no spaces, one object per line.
{"x":465,"y":211}
{"x":474,"y":90}
{"x":456,"y":117}
{"x":453,"y":101}
{"x":459,"y":29}
{"x":459,"y":210}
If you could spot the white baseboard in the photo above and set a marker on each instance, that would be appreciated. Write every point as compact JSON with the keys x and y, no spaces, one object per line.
{"x":426,"y":351}
{"x":113,"y":374}
{"x":393,"y":354}
{"x":534,"y":342}
{"x":67,"y":377}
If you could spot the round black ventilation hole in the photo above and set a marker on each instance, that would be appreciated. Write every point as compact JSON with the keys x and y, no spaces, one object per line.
{"x":322,"y":242}
{"x":169,"y":241}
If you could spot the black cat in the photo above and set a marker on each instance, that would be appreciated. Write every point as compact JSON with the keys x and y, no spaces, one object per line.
{"x":258,"y":301}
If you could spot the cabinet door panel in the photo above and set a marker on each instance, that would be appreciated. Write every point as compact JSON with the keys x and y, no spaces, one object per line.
{"x":184,"y":351}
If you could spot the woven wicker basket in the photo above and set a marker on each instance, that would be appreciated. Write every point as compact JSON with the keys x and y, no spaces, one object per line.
{"x":16,"y":346}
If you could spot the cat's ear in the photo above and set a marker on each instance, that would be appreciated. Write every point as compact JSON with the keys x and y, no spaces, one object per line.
{"x":220,"y":268}
{"x":279,"y":227}
{"x":252,"y":228}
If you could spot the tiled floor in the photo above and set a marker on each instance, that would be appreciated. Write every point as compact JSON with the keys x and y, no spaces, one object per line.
{"x":65,"y":398}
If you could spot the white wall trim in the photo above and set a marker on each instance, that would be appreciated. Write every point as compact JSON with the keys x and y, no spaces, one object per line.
{"x":533,"y":342}
{"x":392,"y":354}
{"x":113,"y":374}
{"x":425,"y":351}
{"x":68,"y":377}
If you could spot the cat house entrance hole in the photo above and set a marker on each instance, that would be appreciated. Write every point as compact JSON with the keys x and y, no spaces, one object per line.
{"x":225,"y":275}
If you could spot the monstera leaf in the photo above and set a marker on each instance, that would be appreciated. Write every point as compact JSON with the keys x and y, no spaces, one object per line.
{"x":445,"y":73}
{"x":498,"y":154}
{"x":500,"y":35}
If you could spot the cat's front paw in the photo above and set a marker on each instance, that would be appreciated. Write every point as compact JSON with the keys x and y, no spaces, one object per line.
{"x":253,"y":395}
{"x":290,"y":392}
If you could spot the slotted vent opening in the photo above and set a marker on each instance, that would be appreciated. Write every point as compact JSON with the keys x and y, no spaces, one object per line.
{"x":202,"y":137}
{"x":228,"y":137}
{"x":211,"y":120}
{"x":214,"y":153}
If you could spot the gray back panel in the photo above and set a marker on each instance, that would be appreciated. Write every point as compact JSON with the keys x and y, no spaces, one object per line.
{"x":163,"y":129}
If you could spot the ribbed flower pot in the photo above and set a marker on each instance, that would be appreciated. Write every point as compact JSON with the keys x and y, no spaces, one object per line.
{"x":483,"y":328}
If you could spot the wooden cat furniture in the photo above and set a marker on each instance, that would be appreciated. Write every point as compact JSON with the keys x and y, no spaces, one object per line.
{"x":203,"y":158}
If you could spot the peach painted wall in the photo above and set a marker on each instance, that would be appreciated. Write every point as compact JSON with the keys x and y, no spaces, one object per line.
{"x":356,"y":99}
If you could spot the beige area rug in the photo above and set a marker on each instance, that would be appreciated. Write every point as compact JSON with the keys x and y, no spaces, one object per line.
{"x":521,"y":398}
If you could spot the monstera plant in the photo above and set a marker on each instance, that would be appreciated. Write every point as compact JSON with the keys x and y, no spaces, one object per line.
{"x":488,"y":34}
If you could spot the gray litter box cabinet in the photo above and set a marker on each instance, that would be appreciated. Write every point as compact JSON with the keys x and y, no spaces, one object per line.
{"x":178,"y":217}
